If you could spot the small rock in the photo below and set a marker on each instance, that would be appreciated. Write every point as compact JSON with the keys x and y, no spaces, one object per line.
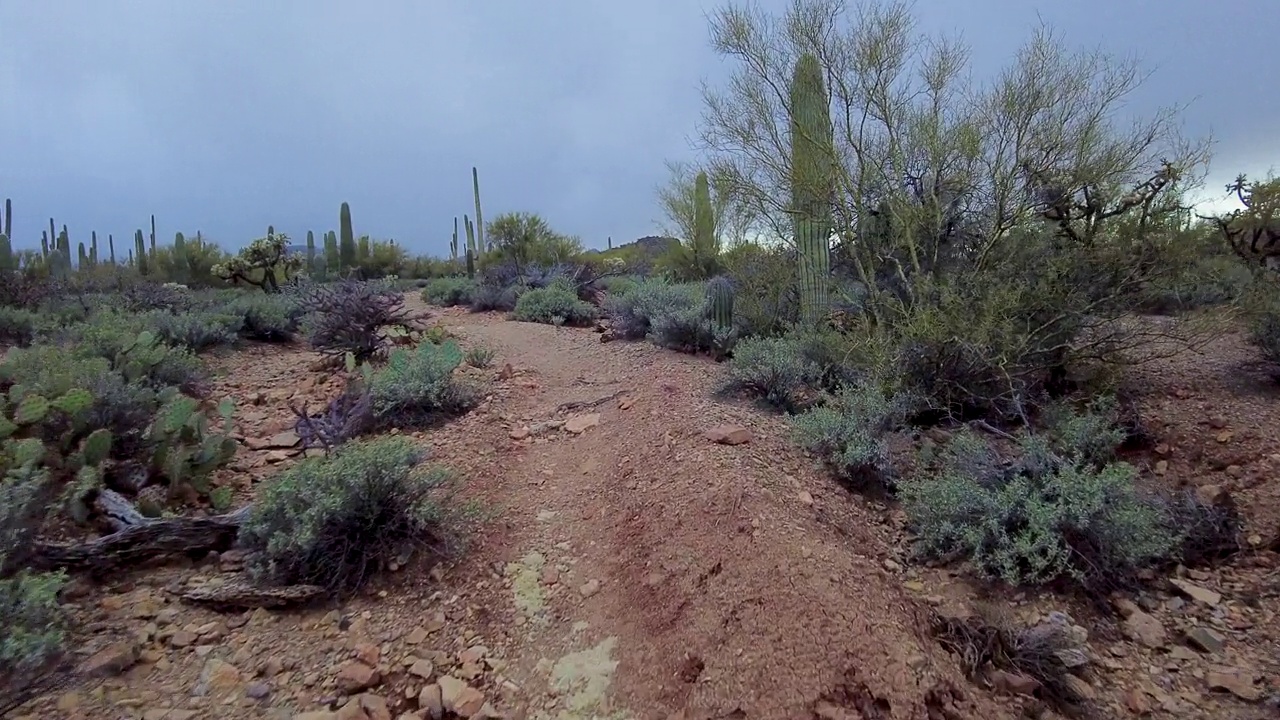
{"x":459,"y":698}
{"x":579,"y":424}
{"x":550,"y":575}
{"x":1195,"y":592}
{"x":1145,"y":628}
{"x":1136,"y":701}
{"x":356,"y":677}
{"x":1080,"y":687}
{"x":182,"y":639}
{"x":914,"y":585}
{"x":1013,"y":683}
{"x":368,"y":653}
{"x":589,"y":588}
{"x":728,"y":435}
{"x":1206,"y":640}
{"x":520,"y":433}
{"x":422,"y":668}
{"x":416,"y":636}
{"x":111,"y":660}
{"x":1235,"y":681}
{"x":805,"y":497}
{"x":217,"y":676}
{"x":431,"y":702}
{"x":473,"y":654}
{"x":257,"y":690}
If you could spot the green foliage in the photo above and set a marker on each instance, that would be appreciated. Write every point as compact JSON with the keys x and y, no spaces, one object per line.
{"x":774,"y":370}
{"x":1044,"y":518}
{"x":1264,"y":329}
{"x":34,"y":629}
{"x":479,"y":356}
{"x":633,"y":315}
{"x":258,"y":263}
{"x":767,"y":280}
{"x":526,"y":240}
{"x":720,"y":295}
{"x":17,"y":326}
{"x":333,"y":521}
{"x":267,"y":318}
{"x":556,"y":304}
{"x":185,"y":450}
{"x":416,"y":387}
{"x":449,"y":291}
{"x":195,"y":330}
{"x":850,"y":431}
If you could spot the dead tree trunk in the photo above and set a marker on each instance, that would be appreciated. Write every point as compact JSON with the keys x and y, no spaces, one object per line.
{"x":139,"y":539}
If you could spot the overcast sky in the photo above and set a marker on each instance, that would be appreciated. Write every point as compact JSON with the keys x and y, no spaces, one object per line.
{"x":229,"y":115}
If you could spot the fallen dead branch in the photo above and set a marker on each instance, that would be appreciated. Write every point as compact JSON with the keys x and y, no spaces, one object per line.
{"x":241,"y":594}
{"x":139,"y":539}
{"x":580,"y":404}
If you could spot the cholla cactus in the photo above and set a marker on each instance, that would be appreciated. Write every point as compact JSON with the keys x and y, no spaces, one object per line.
{"x":258,"y":263}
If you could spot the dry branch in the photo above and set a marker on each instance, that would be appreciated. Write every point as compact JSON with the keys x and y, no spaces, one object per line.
{"x":139,"y":539}
{"x":239,"y":594}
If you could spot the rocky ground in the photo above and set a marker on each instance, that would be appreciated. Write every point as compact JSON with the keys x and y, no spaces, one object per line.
{"x":647,"y":551}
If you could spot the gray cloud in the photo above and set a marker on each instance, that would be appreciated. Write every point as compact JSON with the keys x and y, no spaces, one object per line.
{"x":227,"y":116}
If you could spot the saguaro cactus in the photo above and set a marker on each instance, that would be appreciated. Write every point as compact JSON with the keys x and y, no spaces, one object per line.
{"x":153,"y":237}
{"x":93,"y":248}
{"x":812,"y":185}
{"x":7,"y":259}
{"x":704,"y":226}
{"x":140,"y":252}
{"x":720,"y":301}
{"x":181,"y":263}
{"x":475,"y":189}
{"x":111,"y":247}
{"x":453,"y":244}
{"x":347,"y":239}
{"x":332,"y":258}
{"x":8,"y":218}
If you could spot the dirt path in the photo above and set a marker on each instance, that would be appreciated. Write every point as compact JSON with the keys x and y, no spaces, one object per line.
{"x":697,"y":577}
{"x":635,"y":569}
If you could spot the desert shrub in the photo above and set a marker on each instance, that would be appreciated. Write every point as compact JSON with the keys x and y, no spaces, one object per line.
{"x":691,"y":330}
{"x":480,"y":356}
{"x":768,"y":300}
{"x":1048,"y":516}
{"x":488,"y":297}
{"x":352,"y":316}
{"x":772,"y":369}
{"x":333,"y":521}
{"x":1264,"y":328}
{"x":343,"y":418}
{"x":556,"y":304}
{"x":1209,"y":282}
{"x":619,"y":284}
{"x":449,"y":291}
{"x":633,"y":314}
{"x":850,"y":432}
{"x":416,"y":387}
{"x":17,"y":326}
{"x":138,"y":297}
{"x":267,"y":317}
{"x":195,"y":330}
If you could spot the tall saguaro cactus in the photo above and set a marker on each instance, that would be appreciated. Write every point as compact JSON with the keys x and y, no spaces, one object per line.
{"x":475,"y":189}
{"x":181,"y":264}
{"x":111,"y":247}
{"x":153,"y":238}
{"x":332,"y":257}
{"x":8,"y":218}
{"x":453,"y":244}
{"x":812,"y":184}
{"x":704,"y":225}
{"x":347,"y":239}
{"x":140,"y":252}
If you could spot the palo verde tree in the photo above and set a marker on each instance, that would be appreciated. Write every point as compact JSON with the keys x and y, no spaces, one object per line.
{"x":526,"y":239}
{"x":948,"y":197}
{"x":259,"y":262}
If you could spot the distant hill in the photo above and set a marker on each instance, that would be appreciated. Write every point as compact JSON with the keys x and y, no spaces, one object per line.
{"x":650,"y":245}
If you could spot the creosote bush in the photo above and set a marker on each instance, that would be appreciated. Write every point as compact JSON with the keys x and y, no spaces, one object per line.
{"x":773,"y":370}
{"x":417,"y":387}
{"x":449,"y":291}
{"x":333,"y":521}
{"x":850,"y":430}
{"x":555,"y":304}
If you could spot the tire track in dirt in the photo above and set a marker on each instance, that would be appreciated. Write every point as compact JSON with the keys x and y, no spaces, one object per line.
{"x":732,"y":581}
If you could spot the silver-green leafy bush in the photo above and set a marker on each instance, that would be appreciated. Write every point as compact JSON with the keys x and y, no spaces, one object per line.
{"x":555,"y":304}
{"x":1049,"y":515}
{"x":335,"y":520}
{"x":417,"y":387}
{"x":850,"y":431}
{"x":772,"y":369}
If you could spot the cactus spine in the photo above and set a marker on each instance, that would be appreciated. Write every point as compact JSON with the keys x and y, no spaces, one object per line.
{"x":347,"y":239}
{"x":475,"y":190}
{"x":720,"y":302}
{"x":812,"y":185}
